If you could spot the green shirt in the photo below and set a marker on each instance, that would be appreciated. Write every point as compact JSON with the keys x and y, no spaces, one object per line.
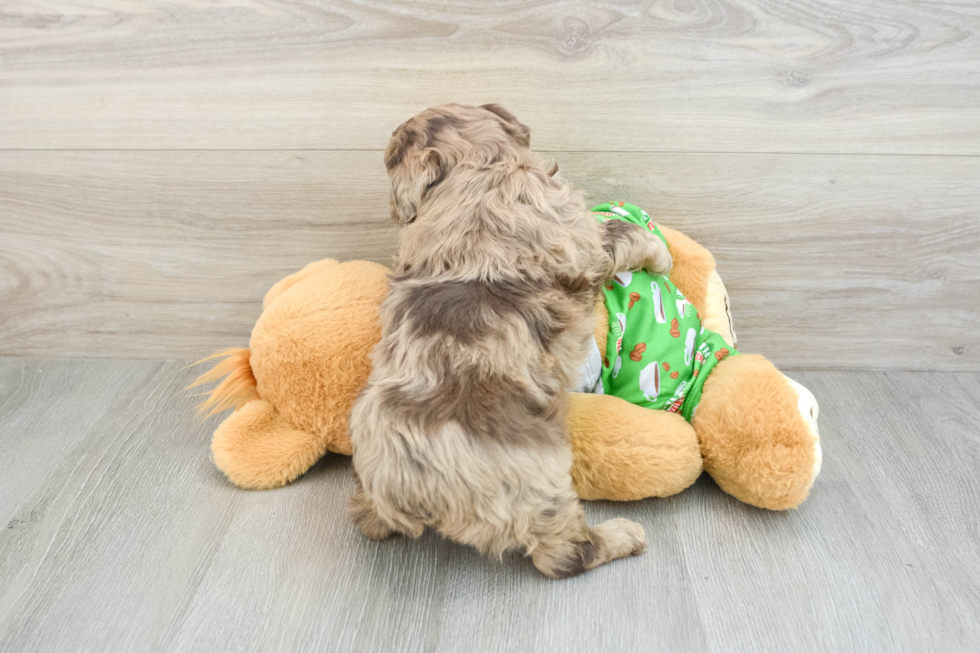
{"x":658,"y":354}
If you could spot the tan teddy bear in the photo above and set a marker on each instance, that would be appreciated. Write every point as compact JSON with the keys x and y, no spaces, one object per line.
{"x":754,"y":431}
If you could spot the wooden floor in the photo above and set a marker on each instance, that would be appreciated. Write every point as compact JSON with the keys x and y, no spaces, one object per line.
{"x":121,"y":536}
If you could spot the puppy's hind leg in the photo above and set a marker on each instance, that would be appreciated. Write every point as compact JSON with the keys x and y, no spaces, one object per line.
{"x":366,"y":517}
{"x":568,"y":547}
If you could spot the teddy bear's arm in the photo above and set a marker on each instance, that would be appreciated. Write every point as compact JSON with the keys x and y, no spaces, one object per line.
{"x":696,"y":275}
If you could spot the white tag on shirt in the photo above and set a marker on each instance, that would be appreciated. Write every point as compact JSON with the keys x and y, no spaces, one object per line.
{"x":590,"y":371}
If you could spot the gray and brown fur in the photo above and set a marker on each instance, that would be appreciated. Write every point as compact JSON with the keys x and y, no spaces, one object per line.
{"x":462,"y":424}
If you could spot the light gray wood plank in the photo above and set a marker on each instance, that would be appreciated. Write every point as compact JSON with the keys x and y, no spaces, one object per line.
{"x":858,"y":577}
{"x":925,"y":472}
{"x":47,"y":410}
{"x":106,"y":531}
{"x":731,"y":75}
{"x":834,"y":262}
{"x":143,"y":546}
{"x":131,"y":251}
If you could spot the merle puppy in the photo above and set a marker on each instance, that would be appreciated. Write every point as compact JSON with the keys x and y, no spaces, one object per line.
{"x":499,"y":267}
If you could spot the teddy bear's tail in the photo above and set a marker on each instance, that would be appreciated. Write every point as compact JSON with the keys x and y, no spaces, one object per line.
{"x":237,"y":385}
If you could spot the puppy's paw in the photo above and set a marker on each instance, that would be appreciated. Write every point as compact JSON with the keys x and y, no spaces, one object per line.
{"x":658,"y":260}
{"x":375,"y":529}
{"x":623,"y":537}
{"x":367,"y":519}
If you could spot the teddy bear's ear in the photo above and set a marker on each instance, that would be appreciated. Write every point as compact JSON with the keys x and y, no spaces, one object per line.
{"x":411,"y":179}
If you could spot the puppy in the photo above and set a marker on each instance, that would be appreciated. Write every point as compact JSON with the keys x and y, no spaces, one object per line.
{"x":462,"y":424}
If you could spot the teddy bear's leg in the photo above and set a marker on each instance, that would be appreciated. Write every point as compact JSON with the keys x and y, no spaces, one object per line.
{"x":758,"y":437}
{"x":624,"y":452}
{"x":257,"y":449}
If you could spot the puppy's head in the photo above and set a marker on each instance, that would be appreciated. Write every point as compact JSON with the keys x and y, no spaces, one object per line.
{"x":426,"y":148}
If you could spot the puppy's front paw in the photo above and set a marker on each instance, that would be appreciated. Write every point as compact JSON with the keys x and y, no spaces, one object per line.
{"x":658,"y":260}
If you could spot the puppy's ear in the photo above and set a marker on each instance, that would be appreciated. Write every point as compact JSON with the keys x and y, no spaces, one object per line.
{"x":518,"y":131}
{"x":411,"y":179}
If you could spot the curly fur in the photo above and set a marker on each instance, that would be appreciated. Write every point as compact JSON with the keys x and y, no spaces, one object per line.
{"x":462,"y":424}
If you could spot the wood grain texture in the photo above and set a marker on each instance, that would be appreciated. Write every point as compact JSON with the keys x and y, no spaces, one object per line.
{"x":119,"y":535}
{"x":683,"y":75}
{"x":832,"y":262}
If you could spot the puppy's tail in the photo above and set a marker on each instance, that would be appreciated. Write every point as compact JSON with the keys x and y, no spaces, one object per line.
{"x":237,"y":385}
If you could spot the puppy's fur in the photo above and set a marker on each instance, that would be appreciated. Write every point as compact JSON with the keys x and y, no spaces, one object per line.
{"x":461,"y":426}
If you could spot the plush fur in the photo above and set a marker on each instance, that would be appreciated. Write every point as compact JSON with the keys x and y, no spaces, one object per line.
{"x":258,"y":448}
{"x":629,"y":460}
{"x":756,"y":443}
{"x":237,"y":384}
{"x":296,"y":384}
{"x":344,"y":326}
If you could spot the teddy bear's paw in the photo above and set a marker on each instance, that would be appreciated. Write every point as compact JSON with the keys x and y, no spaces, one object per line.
{"x":622,"y":537}
{"x":257,"y":449}
{"x":809,"y":410}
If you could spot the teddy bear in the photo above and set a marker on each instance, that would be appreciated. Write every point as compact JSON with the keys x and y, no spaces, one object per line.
{"x":754,"y":430}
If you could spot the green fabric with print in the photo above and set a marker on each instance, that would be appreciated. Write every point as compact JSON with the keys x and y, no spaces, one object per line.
{"x":658,"y":354}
